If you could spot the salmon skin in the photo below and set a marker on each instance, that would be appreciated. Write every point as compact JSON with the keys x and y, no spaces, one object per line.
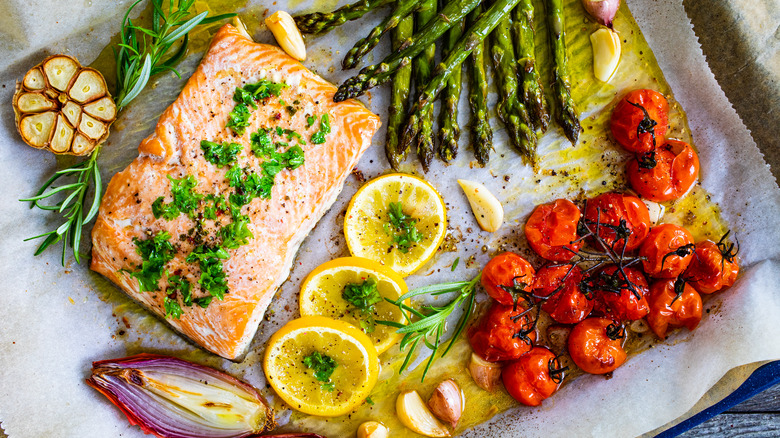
{"x":298,"y":199}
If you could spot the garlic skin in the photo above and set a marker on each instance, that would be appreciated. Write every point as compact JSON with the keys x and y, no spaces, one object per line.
{"x":447,"y":402}
{"x":486,"y":208}
{"x":487,"y":375}
{"x":414,"y":414}
{"x":656,"y":211}
{"x":606,"y":53}
{"x":602,"y":10}
{"x":372,"y":429}
{"x":287,"y":34}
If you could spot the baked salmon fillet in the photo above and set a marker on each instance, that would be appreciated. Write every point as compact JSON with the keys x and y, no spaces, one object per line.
{"x":202,"y":228}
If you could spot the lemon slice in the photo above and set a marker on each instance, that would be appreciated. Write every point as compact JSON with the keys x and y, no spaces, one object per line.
{"x":322,"y":294}
{"x":354,"y":375}
{"x":370,"y":233}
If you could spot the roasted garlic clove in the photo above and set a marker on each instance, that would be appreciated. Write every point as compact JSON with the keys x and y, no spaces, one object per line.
{"x":486,"y":207}
{"x":413,"y":413}
{"x":287,"y":34}
{"x":656,"y":211}
{"x":447,"y":402}
{"x":63,"y":107}
{"x":606,"y":53}
{"x":487,"y":375}
{"x":372,"y":429}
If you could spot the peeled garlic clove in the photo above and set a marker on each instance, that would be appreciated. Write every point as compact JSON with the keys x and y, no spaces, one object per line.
{"x":447,"y":402}
{"x":487,"y":209}
{"x":606,"y":53}
{"x":239,"y":25}
{"x":602,"y":10}
{"x":656,"y":211}
{"x":413,"y":413}
{"x":287,"y":34}
{"x":372,"y":429}
{"x":487,"y":375}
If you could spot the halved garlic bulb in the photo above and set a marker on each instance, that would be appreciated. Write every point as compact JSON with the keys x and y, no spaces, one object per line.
{"x":63,"y":107}
{"x":606,"y":53}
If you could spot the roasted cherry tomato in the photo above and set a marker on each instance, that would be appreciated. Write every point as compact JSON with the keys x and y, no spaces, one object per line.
{"x":566,"y":303}
{"x":673,"y":303}
{"x":668,"y":250}
{"x":713,"y":267}
{"x":619,"y":296}
{"x":552,"y":228}
{"x":596,"y":345}
{"x":618,"y":216}
{"x":639,"y":121}
{"x":502,"y":334}
{"x":534,"y":377}
{"x":505,"y":272}
{"x":665,"y":175}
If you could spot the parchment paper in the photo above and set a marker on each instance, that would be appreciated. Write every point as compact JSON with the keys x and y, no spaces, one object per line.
{"x":56,"y":320}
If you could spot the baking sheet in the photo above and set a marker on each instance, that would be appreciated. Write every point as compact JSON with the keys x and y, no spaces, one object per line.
{"x":59,"y":320}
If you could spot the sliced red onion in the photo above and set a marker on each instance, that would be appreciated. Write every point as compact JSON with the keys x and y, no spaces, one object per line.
{"x":173,"y":398}
{"x":602,"y":10}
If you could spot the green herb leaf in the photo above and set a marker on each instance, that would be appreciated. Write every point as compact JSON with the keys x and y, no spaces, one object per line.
{"x":155,"y":252}
{"x":172,"y":308}
{"x":323,"y":367}
{"x":238,"y":119}
{"x":220,"y":154}
{"x":404,"y":229}
{"x":363,"y":297}
{"x":319,"y":136}
{"x":212,"y":275}
{"x":262,"y":146}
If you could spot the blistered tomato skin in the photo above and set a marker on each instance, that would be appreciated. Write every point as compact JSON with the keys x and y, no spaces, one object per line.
{"x":566,"y":303}
{"x":528,"y":379}
{"x":640,"y":120}
{"x":668,"y":250}
{"x":709,"y":270}
{"x":497,"y":336}
{"x":676,"y":170}
{"x":670,"y":311}
{"x":618,"y":296}
{"x":507,"y":270}
{"x":593,"y":350}
{"x":551,"y":229}
{"x":606,"y":211}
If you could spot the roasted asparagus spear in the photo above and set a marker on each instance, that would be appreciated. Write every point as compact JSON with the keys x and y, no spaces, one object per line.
{"x":532,"y":90}
{"x":567,"y":114}
{"x":321,"y":22}
{"x":474,"y":36}
{"x":402,"y":9}
{"x":423,"y":65}
{"x":482,"y":133}
{"x":402,"y":81}
{"x":510,"y":109}
{"x":449,"y":131}
{"x":377,"y":74}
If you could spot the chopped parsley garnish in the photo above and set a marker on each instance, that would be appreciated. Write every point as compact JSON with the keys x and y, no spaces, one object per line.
{"x":262,"y":146}
{"x":310,"y":121}
{"x":220,"y":154}
{"x":212,"y":276}
{"x":172,"y":308}
{"x":155,"y":252}
{"x":236,"y":233}
{"x":363,"y":296}
{"x":323,"y":367}
{"x":369,"y":401}
{"x":238,"y":119}
{"x":402,"y":228}
{"x":185,"y":200}
{"x":214,"y":205}
{"x":178,"y":285}
{"x":319,"y":136}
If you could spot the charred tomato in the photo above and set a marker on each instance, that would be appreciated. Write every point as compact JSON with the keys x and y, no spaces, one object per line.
{"x":506,"y":275}
{"x":640,"y":120}
{"x":673,"y":304}
{"x":565,"y":301}
{"x":619,"y":293}
{"x":534,"y":377}
{"x":551,"y":230}
{"x":713,"y":266}
{"x":503,"y":333}
{"x":665,"y":175}
{"x":668,"y":249}
{"x":596,"y":345}
{"x":619,"y":220}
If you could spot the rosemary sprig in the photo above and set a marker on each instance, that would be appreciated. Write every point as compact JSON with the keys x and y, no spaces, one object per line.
{"x":142,"y":53}
{"x":430,"y":326}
